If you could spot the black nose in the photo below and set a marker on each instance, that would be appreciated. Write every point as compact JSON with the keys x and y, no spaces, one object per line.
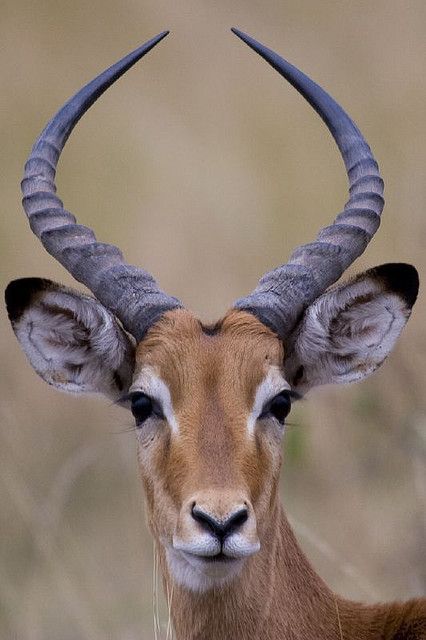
{"x":220,"y":528}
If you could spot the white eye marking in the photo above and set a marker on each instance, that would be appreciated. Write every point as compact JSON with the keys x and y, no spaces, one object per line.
{"x":270,"y":386}
{"x":150,"y":383}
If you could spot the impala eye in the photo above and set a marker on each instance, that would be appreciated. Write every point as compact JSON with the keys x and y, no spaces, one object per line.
{"x":280,"y":406}
{"x":141,"y":407}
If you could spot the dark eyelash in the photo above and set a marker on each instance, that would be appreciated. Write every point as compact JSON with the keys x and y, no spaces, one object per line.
{"x":126,"y":398}
{"x":157,"y":410}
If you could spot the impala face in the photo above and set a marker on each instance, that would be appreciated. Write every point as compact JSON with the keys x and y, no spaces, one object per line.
{"x":210,"y":410}
{"x":209,"y":404}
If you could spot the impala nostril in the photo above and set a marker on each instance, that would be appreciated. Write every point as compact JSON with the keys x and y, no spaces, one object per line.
{"x":206,"y":521}
{"x":238,"y":519}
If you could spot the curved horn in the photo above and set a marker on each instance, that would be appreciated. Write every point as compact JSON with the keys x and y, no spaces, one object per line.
{"x":130,"y":293}
{"x":283,"y":294}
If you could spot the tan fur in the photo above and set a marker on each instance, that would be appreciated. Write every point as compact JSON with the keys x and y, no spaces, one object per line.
{"x":213,"y":381}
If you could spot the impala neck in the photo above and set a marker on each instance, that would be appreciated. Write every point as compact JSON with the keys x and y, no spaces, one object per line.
{"x":278,"y":595}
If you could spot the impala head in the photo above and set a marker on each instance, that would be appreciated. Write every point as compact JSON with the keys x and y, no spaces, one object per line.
{"x":209,"y":403}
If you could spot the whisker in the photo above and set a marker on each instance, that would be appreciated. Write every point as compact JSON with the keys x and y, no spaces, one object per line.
{"x":169,"y":632}
{"x":294,"y":424}
{"x":157,"y":627}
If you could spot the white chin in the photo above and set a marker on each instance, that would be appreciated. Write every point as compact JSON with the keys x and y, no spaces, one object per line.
{"x":200,"y":575}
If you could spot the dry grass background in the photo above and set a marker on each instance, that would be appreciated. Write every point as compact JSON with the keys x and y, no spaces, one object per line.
{"x":206,"y":168}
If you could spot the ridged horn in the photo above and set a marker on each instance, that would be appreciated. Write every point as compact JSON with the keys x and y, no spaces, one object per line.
{"x":283,"y":294}
{"x":129,"y":292}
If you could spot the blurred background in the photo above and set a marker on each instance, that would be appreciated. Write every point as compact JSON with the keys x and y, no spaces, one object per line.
{"x":207,"y":169}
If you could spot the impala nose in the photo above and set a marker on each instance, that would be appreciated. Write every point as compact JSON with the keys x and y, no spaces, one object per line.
{"x":221,"y":528}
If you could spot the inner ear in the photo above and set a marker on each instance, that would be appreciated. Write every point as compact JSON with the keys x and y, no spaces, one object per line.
{"x":70,"y":339}
{"x":349,"y":331}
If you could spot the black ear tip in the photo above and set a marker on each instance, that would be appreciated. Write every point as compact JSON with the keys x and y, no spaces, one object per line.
{"x":19,"y":294}
{"x":400,"y":278}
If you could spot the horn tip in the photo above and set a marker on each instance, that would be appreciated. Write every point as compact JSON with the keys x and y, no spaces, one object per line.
{"x":156,"y":39}
{"x":238,"y":32}
{"x":147,"y":46}
{"x":259,"y":48}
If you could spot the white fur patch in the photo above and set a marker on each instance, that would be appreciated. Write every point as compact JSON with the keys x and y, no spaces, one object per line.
{"x":271,"y":385}
{"x":236,"y":545}
{"x":198,"y":575}
{"x":149,"y":382}
{"x":201,"y":544}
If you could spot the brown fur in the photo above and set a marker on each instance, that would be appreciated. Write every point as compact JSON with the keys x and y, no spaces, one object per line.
{"x":213,"y":377}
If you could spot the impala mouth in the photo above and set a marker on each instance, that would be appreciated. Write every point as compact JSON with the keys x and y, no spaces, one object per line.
{"x":219,"y":557}
{"x":199,"y":572}
{"x":209,"y":548}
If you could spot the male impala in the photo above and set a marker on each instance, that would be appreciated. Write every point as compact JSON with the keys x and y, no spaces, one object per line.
{"x":210,"y":403}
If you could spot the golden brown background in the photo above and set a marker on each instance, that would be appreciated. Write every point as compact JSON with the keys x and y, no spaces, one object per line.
{"x":207,"y":169}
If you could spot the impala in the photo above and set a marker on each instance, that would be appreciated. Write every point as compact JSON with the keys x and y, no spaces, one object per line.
{"x":210,"y":402}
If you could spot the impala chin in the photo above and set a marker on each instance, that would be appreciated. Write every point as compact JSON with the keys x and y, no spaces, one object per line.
{"x":201,"y":567}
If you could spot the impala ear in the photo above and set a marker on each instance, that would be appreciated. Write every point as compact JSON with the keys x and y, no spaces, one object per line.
{"x":70,"y":339}
{"x":348,"y":332}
